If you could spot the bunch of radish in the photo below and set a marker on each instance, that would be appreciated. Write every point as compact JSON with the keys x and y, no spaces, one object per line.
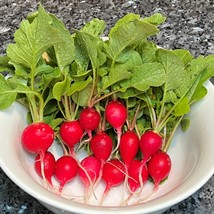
{"x":126,"y":158}
{"x":117,"y":101}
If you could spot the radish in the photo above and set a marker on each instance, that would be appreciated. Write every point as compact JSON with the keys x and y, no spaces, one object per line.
{"x":66,"y":169}
{"x":48,"y":166}
{"x":116,"y":115}
{"x":101,"y":146}
{"x":129,"y":145}
{"x":89,"y":120}
{"x":134,"y":173}
{"x":71,"y":133}
{"x":150,"y":143}
{"x":37,"y":138}
{"x":159,"y":167}
{"x":92,"y":167}
{"x":113,"y":175}
{"x":89,"y":173}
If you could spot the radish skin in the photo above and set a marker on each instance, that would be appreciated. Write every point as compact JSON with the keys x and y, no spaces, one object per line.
{"x":113,"y":175}
{"x":159,"y":167}
{"x":47,"y":168}
{"x":116,"y":115}
{"x":66,"y":169}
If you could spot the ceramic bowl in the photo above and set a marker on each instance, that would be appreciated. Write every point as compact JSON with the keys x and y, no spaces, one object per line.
{"x":192,"y":165}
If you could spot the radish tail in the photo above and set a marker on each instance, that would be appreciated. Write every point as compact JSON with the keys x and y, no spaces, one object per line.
{"x":100,"y":174}
{"x":47,"y":182}
{"x":141,"y":200}
{"x":106,"y":191}
{"x":61,"y":188}
{"x":125,"y":202}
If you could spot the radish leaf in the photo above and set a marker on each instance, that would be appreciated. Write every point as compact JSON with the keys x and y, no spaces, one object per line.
{"x":31,"y":41}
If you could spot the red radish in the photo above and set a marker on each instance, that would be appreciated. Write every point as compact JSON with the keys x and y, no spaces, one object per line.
{"x":133,"y":172}
{"x":37,"y":137}
{"x":89,"y":173}
{"x":129,"y":145}
{"x":150,"y":143}
{"x":113,"y":175}
{"x":89,"y":120}
{"x":101,"y":146}
{"x":66,"y":169}
{"x":159,"y":167}
{"x":71,"y":133}
{"x":48,"y":166}
{"x":92,"y":168}
{"x":116,"y":115}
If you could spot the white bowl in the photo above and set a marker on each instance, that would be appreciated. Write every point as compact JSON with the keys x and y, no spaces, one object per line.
{"x":191,"y":153}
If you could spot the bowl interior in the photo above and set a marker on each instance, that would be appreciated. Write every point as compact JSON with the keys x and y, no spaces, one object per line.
{"x":191,"y":153}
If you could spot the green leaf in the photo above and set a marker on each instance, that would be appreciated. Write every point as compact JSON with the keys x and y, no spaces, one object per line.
{"x":185,"y":123}
{"x":18,"y":84}
{"x":145,"y":76}
{"x":32,"y":40}
{"x":101,"y":57}
{"x":174,"y":68}
{"x":129,"y":92}
{"x":115,"y":75}
{"x":53,"y":122}
{"x":61,"y":88}
{"x":78,"y":86}
{"x":95,"y":27}
{"x":4,"y":64}
{"x":127,"y":34}
{"x":21,"y":71}
{"x":192,"y":85}
{"x":9,"y":89}
{"x":102,"y":72}
{"x":81,"y":56}
{"x":147,"y":51}
{"x":191,"y":89}
{"x":64,"y":50}
{"x":81,"y":97}
{"x":128,"y":59}
{"x":89,"y":44}
{"x":80,"y":74}
{"x":46,"y":74}
{"x":207,"y":73}
{"x":7,"y":94}
{"x":182,"y":107}
{"x":155,"y":19}
{"x":184,"y":55}
{"x":122,"y":21}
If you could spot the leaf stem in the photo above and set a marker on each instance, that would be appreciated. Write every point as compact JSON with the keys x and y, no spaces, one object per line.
{"x":76,"y":110}
{"x":67,"y":107}
{"x":151,"y":112}
{"x":169,"y":140}
{"x":94,"y":101}
{"x":135,"y":118}
{"x":37,"y":111}
{"x":93,"y":87}
{"x":162,"y":109}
